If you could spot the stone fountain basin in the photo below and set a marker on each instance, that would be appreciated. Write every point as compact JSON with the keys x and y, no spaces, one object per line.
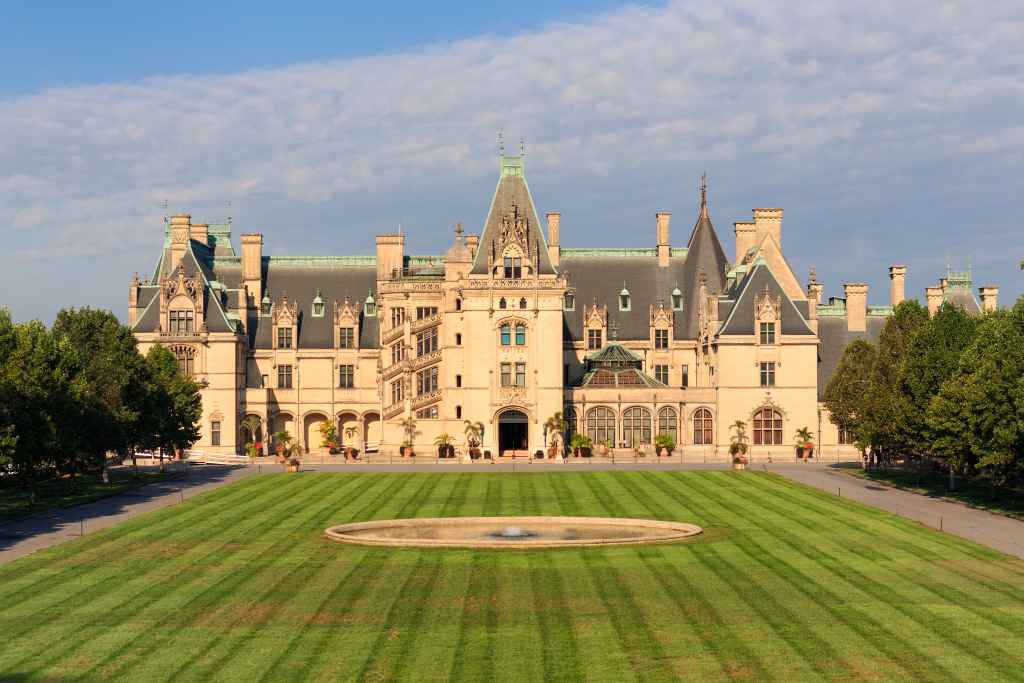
{"x":486,"y":532}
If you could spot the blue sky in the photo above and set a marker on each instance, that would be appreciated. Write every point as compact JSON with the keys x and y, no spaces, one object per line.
{"x":888,"y":133}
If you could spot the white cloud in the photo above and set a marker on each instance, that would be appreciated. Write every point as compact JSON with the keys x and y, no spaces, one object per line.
{"x":795,"y":100}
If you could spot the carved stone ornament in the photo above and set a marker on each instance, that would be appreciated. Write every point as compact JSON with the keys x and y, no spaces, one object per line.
{"x":596,"y":317}
{"x":285,"y":313}
{"x":177,"y":284}
{"x":767,"y":308}
{"x":660,"y":316}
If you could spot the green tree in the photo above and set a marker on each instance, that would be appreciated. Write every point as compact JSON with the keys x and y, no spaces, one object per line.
{"x":845,"y":391}
{"x":885,"y":414}
{"x":109,"y":396}
{"x":173,"y":402}
{"x":931,"y":357}
{"x":977,"y":418}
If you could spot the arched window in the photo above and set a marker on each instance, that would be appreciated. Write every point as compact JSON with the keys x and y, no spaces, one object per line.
{"x":624,"y":298}
{"x":520,"y":334}
{"x":601,"y":425}
{"x":186,"y":357}
{"x":458,"y":339}
{"x":458,"y":412}
{"x":502,"y":304}
{"x":668,"y":423}
{"x":522,"y":303}
{"x":505,"y":332}
{"x":458,"y":304}
{"x":703,"y":428}
{"x":677,"y":299}
{"x":636,"y":426}
{"x":767,"y":427}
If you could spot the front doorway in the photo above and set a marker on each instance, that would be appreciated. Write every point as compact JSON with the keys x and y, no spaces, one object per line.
{"x":513,"y":433}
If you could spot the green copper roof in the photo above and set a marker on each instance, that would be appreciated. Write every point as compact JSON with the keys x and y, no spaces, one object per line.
{"x":617,"y":252}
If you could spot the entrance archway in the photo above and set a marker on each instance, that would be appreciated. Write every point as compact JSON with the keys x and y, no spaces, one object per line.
{"x":311,"y":431}
{"x":513,"y":433}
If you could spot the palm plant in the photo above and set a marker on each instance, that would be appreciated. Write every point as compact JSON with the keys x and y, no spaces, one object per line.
{"x":738,"y":442}
{"x":282,"y":439}
{"x":555,"y":424}
{"x":251,"y":427}
{"x":409,"y":427}
{"x":474,"y":433}
{"x":804,"y":436}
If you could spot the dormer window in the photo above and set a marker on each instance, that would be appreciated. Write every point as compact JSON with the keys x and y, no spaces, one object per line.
{"x":265,"y":305}
{"x":522,"y":304}
{"x":624,"y":299}
{"x":569,"y":301}
{"x":677,"y":300}
{"x":369,"y":306}
{"x":502,"y":304}
{"x":318,"y":306}
{"x":284,"y":337}
{"x":513,"y":267}
{"x":181,"y":321}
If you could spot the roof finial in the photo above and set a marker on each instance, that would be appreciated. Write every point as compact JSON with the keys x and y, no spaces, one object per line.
{"x":501,"y":141}
{"x":703,"y":192}
{"x":458,"y":229}
{"x":522,"y":147}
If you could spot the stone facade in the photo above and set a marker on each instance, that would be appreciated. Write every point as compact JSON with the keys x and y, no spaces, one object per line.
{"x":508,"y":328}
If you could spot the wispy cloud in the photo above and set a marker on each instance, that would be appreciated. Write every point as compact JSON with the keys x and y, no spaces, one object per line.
{"x":835,"y":112}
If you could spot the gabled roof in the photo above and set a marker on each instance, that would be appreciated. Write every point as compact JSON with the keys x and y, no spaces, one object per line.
{"x":704,"y":254}
{"x":760,"y":279}
{"x":616,"y":366}
{"x":510,"y":196}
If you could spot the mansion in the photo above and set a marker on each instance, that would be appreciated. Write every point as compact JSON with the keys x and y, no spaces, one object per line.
{"x":508,"y":328}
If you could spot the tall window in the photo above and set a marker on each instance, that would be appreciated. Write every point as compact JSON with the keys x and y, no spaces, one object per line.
{"x":502,"y":304}
{"x":346,"y":376}
{"x":593,"y":339}
{"x":768,"y":374}
{"x":458,"y":381}
{"x":396,"y":391}
{"x":284,"y":377}
{"x":668,"y":422}
{"x":569,"y":301}
{"x":703,"y":428}
{"x":845,"y":436}
{"x":513,"y":267}
{"x":767,"y":333}
{"x":686,"y":376}
{"x":458,"y":412}
{"x":284,"y":337}
{"x":506,"y":374}
{"x":520,"y":374}
{"x":636,"y":426}
{"x":215,"y":433}
{"x":346,"y":338}
{"x":458,"y":339}
{"x":425,"y":312}
{"x":767,"y":427}
{"x":458,"y":304}
{"x":661,"y":373}
{"x":661,"y":339}
{"x":186,"y":358}
{"x":426,"y":381}
{"x":426,"y":342}
{"x":397,"y":316}
{"x":397,"y":353}
{"x":506,"y":334}
{"x":181,"y":322}
{"x":522,"y":303}
{"x":520,"y":335}
{"x":569,"y":415}
{"x":601,"y":425}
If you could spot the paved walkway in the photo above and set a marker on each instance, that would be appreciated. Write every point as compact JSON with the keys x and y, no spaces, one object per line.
{"x":27,"y":535}
{"x":995,"y":531}
{"x":34,"y":533}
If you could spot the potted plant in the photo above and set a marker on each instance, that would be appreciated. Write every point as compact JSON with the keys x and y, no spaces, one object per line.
{"x":738,"y":445}
{"x":602,"y":448}
{"x":409,"y":427}
{"x":282,"y":441}
{"x":555,"y":425}
{"x":251,"y":427}
{"x":329,"y":437}
{"x":804,"y":443}
{"x":665,"y":445}
{"x":474,"y":437}
{"x":351,"y":453}
{"x":445,"y":449}
{"x":580,"y":445}
{"x":294,"y":465}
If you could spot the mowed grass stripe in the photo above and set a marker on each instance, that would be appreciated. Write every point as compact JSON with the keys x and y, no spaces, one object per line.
{"x":473,"y":658}
{"x":89,"y":598}
{"x":222,"y":645}
{"x":178,"y":622}
{"x":904,"y":628}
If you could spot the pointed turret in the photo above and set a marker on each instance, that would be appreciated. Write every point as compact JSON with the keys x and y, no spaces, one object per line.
{"x":512,"y":218}
{"x":704,"y":254}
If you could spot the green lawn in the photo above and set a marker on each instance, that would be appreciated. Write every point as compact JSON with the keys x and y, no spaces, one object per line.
{"x":16,"y":501}
{"x":787,"y":583}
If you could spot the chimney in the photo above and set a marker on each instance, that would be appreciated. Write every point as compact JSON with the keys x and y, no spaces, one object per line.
{"x":746,"y":238}
{"x":473,"y":241}
{"x":390,"y":255}
{"x":180,"y":235}
{"x":934,"y":295}
{"x":897,"y":285}
{"x":554,"y":243}
{"x":989,"y":298}
{"x":664,"y":238}
{"x":768,"y":222}
{"x":252,"y":267}
{"x":201,"y":233}
{"x":856,"y":306}
{"x":133,"y":300}
{"x":814,"y":293}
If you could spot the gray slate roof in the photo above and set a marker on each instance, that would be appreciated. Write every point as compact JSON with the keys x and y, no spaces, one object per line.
{"x":704,"y":253}
{"x":834,"y":337}
{"x":510,"y":195}
{"x":740,"y":316}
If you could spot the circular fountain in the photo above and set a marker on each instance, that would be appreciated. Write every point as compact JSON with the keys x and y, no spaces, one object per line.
{"x":511,"y":532}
